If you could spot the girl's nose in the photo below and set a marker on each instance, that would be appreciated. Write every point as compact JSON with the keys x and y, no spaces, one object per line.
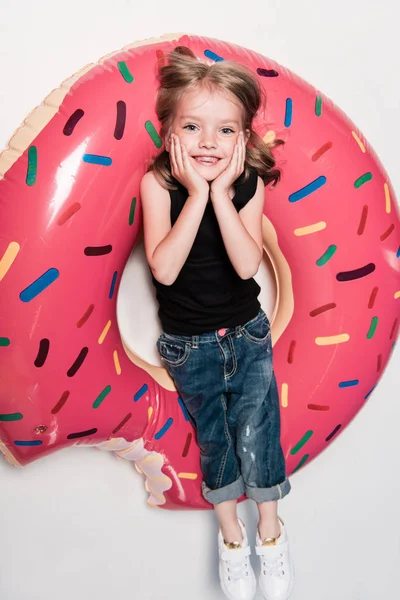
{"x":207,"y":140}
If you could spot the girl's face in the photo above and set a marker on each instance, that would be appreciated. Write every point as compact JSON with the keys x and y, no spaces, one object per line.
{"x":208,"y":124}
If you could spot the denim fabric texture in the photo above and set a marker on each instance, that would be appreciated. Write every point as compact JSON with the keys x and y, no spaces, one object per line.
{"x":226,"y":381}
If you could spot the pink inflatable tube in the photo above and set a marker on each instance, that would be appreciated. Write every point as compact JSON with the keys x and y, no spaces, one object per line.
{"x":70,"y":213}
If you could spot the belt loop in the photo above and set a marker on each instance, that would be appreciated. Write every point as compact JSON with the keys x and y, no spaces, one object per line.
{"x":195,"y":341}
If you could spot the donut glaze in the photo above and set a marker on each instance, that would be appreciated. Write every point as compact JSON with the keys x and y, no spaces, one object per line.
{"x":70,"y":214}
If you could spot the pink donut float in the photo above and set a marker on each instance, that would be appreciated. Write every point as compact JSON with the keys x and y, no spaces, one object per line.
{"x":70,"y":214}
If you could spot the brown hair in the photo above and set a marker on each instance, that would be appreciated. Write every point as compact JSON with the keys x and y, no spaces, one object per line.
{"x":185,"y":71}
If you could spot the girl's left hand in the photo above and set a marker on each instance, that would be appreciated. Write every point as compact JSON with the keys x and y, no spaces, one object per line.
{"x":222,"y":184}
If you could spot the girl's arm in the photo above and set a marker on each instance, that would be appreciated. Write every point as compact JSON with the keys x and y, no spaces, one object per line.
{"x":242,"y":232}
{"x":167,"y":247}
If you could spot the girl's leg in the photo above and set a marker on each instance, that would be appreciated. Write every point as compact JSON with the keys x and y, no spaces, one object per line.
{"x":268,"y":524}
{"x":227,"y":517}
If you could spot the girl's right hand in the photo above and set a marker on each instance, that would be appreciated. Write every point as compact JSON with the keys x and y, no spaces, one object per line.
{"x":183,"y":170}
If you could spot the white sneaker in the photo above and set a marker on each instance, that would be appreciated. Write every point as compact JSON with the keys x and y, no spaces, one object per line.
{"x":277,"y":571}
{"x":236,"y":574}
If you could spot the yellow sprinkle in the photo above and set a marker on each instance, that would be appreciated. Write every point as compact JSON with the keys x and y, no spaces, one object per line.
{"x":332,"y":339}
{"x":310,"y":228}
{"x":187,"y":475}
{"x":104,"y":332}
{"x":387,"y":197}
{"x":150,"y":412}
{"x":8,"y":258}
{"x":116,"y":363}
{"x":284,"y":395}
{"x":269,"y":137}
{"x":397,"y":295}
{"x":359,"y":142}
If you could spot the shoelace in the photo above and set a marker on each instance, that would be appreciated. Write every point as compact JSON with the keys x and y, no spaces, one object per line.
{"x":237,"y":563}
{"x":272,"y":564}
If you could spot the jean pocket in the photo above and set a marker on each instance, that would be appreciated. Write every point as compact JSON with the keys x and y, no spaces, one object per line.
{"x":257,"y":330}
{"x":173,"y":352}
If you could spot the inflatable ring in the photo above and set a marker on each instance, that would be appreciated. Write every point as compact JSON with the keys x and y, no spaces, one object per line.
{"x":70,"y":213}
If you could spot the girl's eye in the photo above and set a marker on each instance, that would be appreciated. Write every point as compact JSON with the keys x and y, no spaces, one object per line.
{"x":190,"y":127}
{"x":227,"y":130}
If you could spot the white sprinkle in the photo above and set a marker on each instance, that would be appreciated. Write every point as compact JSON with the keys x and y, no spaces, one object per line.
{"x":244,"y":449}
{"x":247,"y":430}
{"x":252,"y":456}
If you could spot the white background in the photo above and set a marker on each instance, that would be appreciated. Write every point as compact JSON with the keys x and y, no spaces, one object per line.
{"x":75,"y":524}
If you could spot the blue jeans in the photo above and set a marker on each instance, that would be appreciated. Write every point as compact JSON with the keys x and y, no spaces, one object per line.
{"x":226,"y":381}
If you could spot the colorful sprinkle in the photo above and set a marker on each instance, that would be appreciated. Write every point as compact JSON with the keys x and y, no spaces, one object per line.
{"x":292,"y":348}
{"x":372,"y":328}
{"x":334,"y":432}
{"x":363,"y":220}
{"x":267,"y":72}
{"x":301,"y":463}
{"x":320,"y":407}
{"x":387,"y":198}
{"x":183,"y":408}
{"x":269,"y":137}
{"x":141,"y":392}
{"x":4,"y":341}
{"x":73,"y":121}
{"x":97,"y":250}
{"x":192,"y":476}
{"x":151,"y":130}
{"x":96,"y":159}
{"x":302,"y":442}
{"x":85,"y":316}
{"x":113,"y":282}
{"x":288,"y":112}
{"x":123,"y":422}
{"x":132,"y":211}
{"x":28,"y":442}
{"x":393,"y":329}
{"x":32,"y":166}
{"x":318,"y":106}
{"x":356,"y":273}
{"x":211,"y":55}
{"x":149,"y":413}
{"x":322,"y":309}
{"x":11,"y":417}
{"x":8,"y":258}
{"x":398,"y":252}
{"x":101,"y":396}
{"x":80,"y":434}
{"x":308,"y":189}
{"x":78,"y":362}
{"x":104,"y":332}
{"x":370,"y":392}
{"x":350,"y":383}
{"x":68,"y":213}
{"x":120,"y":120}
{"x":163,"y":429}
{"x":310,"y":229}
{"x":125,"y":72}
{"x":359,"y":142}
{"x":396,"y":296}
{"x":44,"y":346}
{"x":185,"y":451}
{"x":39,"y":285}
{"x":363,"y":179}
{"x":326,"y":257}
{"x":117,"y":364}
{"x":388,"y":231}
{"x":379,"y":362}
{"x":60,"y":403}
{"x":285,"y":395}
{"x":321,"y":151}
{"x":332,"y":339}
{"x":372,"y":297}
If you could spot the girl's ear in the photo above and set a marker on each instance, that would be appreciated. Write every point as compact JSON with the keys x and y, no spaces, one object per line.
{"x":246,"y":136}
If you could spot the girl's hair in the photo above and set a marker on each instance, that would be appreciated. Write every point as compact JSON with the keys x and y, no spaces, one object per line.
{"x":184,"y":71}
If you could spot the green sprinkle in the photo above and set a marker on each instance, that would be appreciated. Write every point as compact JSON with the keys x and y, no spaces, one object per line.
{"x":372,"y":328}
{"x":132,"y":211}
{"x":125,"y":72}
{"x":326,"y":256}
{"x":4,"y":341}
{"x":363,"y":179}
{"x":101,"y":396}
{"x":301,"y":463}
{"x":301,"y":443}
{"x":32,"y":166}
{"x":153,"y":134}
{"x":11,"y":417}
{"x":318,"y":106}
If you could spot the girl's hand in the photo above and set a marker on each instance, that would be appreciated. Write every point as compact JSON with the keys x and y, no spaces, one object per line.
{"x":183,"y":170}
{"x":222,"y":184}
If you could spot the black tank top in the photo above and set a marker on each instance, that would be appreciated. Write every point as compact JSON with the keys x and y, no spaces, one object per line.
{"x":208,"y":294}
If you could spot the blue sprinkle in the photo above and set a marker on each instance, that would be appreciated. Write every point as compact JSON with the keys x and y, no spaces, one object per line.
{"x":212,"y":55}
{"x":39,"y":285}
{"x":351,"y":383}
{"x":163,"y":429}
{"x":183,"y":407}
{"x":114,"y":279}
{"x":398,"y":253}
{"x":95,"y":159}
{"x":308,"y":189}
{"x":288,"y":112}
{"x":140,"y":392}
{"x":28,"y":443}
{"x":370,"y":392}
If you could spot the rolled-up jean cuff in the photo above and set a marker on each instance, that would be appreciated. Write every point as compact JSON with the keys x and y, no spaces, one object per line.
{"x":276,"y":492}
{"x":232,"y":491}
